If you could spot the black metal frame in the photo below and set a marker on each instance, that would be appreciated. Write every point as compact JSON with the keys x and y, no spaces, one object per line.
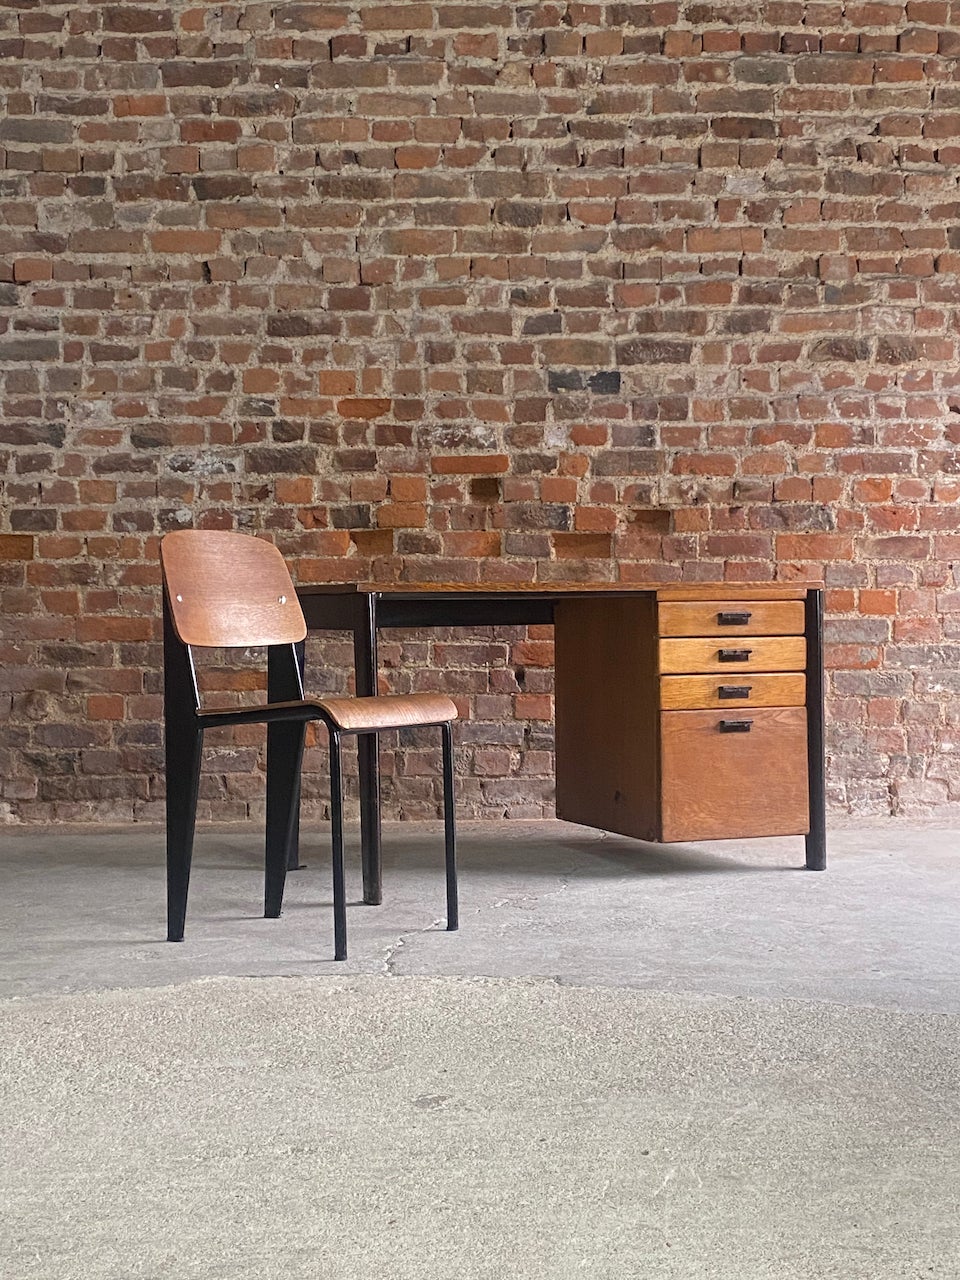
{"x":286,"y":715}
{"x":364,"y":613}
{"x":816,"y":840}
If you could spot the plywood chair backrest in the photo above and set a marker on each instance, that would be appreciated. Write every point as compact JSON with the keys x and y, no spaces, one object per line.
{"x":229,"y":590}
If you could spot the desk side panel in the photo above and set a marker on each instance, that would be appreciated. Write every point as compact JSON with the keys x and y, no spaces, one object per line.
{"x":607,"y":747}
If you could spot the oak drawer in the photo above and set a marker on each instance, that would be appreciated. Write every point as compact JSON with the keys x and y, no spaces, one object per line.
{"x":683,"y":693}
{"x":733,"y":775}
{"x":743,"y":653}
{"x":731,"y":617}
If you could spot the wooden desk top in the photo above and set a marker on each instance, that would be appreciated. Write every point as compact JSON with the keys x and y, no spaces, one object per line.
{"x":662,"y":590}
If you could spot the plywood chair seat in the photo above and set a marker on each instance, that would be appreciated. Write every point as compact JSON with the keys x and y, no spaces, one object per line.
{"x":396,"y":711}
{"x":230,"y":590}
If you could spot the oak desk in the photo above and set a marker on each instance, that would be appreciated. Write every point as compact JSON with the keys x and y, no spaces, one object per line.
{"x":652,"y":685}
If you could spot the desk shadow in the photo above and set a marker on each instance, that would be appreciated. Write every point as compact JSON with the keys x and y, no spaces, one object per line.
{"x":615,"y":857}
{"x":604,"y":856}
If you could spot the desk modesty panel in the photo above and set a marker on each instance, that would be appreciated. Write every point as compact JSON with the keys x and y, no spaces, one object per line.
{"x":685,"y":711}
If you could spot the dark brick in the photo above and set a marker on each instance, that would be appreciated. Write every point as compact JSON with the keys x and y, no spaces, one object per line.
{"x":762,"y":70}
{"x":136,"y":521}
{"x":565,"y":380}
{"x":485,"y":489}
{"x":743,"y":127}
{"x":32,"y":433}
{"x":356,"y":516}
{"x":517,"y":213}
{"x":285,"y":460}
{"x":33,"y":520}
{"x":257,"y":407}
{"x":650,"y":351}
{"x":222,"y":186}
{"x":133,"y":21}
{"x":627,"y":462}
{"x":897,"y":351}
{"x":548,"y":322}
{"x":207,"y":75}
{"x":288,"y":324}
{"x":20,"y":130}
{"x":534,"y":515}
{"x":123,"y":463}
{"x":604,"y":383}
{"x":847,"y":349}
{"x":29,"y":349}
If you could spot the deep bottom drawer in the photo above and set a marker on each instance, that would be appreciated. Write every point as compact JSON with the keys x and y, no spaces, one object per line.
{"x":733,"y":774}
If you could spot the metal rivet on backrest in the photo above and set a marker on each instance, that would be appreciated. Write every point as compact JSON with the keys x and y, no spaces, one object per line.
{"x":179,"y":599}
{"x":283,"y":599}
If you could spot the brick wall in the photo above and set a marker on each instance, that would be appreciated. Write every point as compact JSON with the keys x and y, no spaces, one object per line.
{"x":481,"y":291}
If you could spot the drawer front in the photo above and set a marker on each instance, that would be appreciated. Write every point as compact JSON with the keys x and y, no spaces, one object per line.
{"x":739,"y":654}
{"x":734,"y":775}
{"x":731,"y":618}
{"x":683,"y":693}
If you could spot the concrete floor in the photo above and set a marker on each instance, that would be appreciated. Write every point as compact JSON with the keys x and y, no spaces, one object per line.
{"x":735,"y":1069}
{"x":83,"y":909}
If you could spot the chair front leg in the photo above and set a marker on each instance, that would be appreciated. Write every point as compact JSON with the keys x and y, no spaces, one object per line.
{"x":285,"y":759}
{"x":336,"y":824}
{"x":182,"y":741}
{"x":183,"y":751}
{"x":449,"y":830}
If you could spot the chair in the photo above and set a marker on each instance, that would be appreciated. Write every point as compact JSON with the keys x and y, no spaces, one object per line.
{"x":230,"y":590}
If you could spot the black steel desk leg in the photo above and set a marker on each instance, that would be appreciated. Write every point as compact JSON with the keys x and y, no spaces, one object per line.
{"x":284,"y":754}
{"x":366,"y":667}
{"x":817,"y":838}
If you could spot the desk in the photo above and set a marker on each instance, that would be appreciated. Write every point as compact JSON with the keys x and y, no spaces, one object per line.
{"x":651,"y":681}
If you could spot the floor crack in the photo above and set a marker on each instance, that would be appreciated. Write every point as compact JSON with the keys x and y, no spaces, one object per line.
{"x":396,"y":947}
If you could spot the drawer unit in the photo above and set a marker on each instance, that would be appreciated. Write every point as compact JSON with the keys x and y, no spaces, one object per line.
{"x":684,"y":718}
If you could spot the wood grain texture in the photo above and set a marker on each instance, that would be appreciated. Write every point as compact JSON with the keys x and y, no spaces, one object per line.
{"x":394,"y":711}
{"x":229,"y":590}
{"x":687,"y":693}
{"x":766,"y":618}
{"x":719,"y":786}
{"x":606,"y":715}
{"x":767,"y":653}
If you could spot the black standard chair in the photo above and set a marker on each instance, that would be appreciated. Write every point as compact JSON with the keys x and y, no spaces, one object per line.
{"x":228,"y":591}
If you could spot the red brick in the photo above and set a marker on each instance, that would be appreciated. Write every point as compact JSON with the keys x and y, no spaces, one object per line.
{"x":471,"y":465}
{"x":360,"y":408}
{"x":16,"y":546}
{"x":184,"y":241}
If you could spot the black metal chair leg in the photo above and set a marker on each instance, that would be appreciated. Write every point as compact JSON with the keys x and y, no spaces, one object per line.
{"x":449,"y":830}
{"x":336,"y":823}
{"x":183,"y":750}
{"x":285,"y":752}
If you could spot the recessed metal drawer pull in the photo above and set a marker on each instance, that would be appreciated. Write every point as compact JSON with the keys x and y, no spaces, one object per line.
{"x":729,"y":618}
{"x":734,"y":690}
{"x":734,"y":655}
{"x":736,"y":726}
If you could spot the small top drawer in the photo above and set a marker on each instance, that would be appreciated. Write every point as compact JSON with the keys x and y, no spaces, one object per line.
{"x":731,"y":617}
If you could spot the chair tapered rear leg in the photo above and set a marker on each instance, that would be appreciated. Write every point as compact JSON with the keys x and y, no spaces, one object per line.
{"x":449,"y":830}
{"x":336,"y":824}
{"x":183,"y":750}
{"x":285,"y":752}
